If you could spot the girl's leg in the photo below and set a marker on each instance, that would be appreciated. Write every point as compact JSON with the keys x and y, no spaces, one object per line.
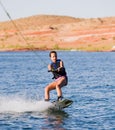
{"x":60,"y":83}
{"x":55,"y":85}
{"x":48,"y":89}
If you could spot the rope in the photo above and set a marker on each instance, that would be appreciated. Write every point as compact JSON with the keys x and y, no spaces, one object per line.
{"x":30,"y":46}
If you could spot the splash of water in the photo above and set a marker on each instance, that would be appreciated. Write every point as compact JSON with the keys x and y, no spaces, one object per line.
{"x":17,"y":104}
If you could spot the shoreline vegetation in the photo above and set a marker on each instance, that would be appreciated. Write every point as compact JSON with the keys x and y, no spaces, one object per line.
{"x":50,"y":32}
{"x":49,"y":49}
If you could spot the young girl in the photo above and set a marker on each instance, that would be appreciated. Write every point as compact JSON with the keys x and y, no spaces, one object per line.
{"x":59,"y":74}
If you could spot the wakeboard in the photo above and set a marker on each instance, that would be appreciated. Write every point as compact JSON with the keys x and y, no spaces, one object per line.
{"x":60,"y":105}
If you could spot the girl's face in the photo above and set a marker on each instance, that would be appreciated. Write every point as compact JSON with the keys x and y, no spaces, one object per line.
{"x":53,"y":57}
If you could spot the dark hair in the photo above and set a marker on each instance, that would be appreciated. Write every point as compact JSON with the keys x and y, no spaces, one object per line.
{"x":52,"y":52}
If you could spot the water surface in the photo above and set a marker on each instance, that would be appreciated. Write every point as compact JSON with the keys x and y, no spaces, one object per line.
{"x":23,"y":77}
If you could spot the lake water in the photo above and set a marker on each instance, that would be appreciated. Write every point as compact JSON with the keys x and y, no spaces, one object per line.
{"x":23,"y":77}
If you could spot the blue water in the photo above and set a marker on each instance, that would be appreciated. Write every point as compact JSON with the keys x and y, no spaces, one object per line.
{"x":23,"y":77}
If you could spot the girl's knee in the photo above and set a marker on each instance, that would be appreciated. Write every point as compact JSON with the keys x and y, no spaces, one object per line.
{"x":46,"y":89}
{"x":58,"y":86}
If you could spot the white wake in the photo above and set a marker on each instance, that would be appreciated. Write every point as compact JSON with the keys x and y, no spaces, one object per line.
{"x":17,"y":104}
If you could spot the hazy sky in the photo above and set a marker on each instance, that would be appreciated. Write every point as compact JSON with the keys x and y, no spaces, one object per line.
{"x":74,"y":8}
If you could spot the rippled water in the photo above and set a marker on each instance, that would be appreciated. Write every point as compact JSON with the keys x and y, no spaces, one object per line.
{"x":23,"y":77}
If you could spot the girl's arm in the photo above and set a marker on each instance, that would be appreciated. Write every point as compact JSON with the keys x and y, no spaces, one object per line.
{"x":49,"y":67}
{"x":61,"y":65}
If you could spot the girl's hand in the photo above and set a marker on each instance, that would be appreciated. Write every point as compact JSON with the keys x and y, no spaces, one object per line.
{"x":58,"y":69}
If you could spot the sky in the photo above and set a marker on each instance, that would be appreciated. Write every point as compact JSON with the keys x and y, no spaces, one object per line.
{"x":74,"y":8}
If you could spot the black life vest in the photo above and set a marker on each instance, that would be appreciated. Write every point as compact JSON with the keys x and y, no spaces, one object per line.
{"x":55,"y":66}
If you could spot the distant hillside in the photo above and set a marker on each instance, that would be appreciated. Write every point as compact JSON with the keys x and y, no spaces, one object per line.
{"x":39,"y":21}
{"x":44,"y":32}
